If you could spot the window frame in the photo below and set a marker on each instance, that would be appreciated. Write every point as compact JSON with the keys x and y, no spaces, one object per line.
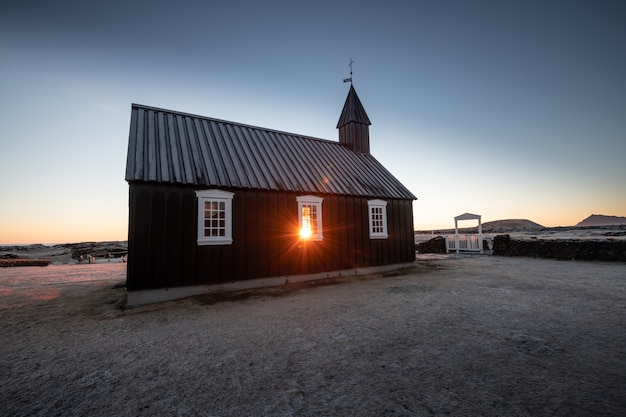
{"x":377,"y":204}
{"x":219,"y":196}
{"x":314,"y":201}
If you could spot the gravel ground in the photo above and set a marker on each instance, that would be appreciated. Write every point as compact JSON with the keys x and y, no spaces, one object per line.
{"x":455,"y":335}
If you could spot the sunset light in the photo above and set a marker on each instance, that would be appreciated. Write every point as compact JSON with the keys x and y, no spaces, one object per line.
{"x":305,"y":229}
{"x":481,"y":121}
{"x":305,"y":232}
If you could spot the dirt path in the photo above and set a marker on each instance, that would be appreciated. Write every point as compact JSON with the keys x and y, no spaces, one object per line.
{"x":479,"y":336}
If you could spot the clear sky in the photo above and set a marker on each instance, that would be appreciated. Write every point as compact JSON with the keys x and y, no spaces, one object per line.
{"x":508,"y":109}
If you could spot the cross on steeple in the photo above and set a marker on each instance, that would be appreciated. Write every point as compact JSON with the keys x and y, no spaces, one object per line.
{"x":345,"y":80}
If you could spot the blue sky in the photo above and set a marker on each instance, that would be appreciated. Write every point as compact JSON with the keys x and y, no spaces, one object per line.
{"x":508,"y":109}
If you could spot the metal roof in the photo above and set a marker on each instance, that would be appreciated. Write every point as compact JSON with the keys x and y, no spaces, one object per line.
{"x":172,"y":147}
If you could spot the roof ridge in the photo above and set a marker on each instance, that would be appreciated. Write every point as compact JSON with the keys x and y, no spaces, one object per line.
{"x":215,"y":119}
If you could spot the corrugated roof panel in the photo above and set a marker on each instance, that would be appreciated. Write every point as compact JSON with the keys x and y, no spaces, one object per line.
{"x":214,"y":162}
{"x":204,"y":155}
{"x":190,"y":150}
{"x":137,"y":146}
{"x":152,"y":148}
{"x":245,"y":176}
{"x":318,"y":169}
{"x":257,"y":154}
{"x":251,"y":162}
{"x":221,"y":157}
{"x":176,"y":151}
{"x":185,"y":167}
{"x":303,"y":169}
{"x":173,"y":147}
{"x":250,"y":159}
{"x":274,"y":163}
{"x":131,"y":155}
{"x":281,"y":169}
{"x":242,"y":172}
{"x":165,"y":159}
{"x":261,"y":155}
{"x":332,"y":178}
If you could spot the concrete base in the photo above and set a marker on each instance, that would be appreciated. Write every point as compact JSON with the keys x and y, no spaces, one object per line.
{"x":137,"y":298}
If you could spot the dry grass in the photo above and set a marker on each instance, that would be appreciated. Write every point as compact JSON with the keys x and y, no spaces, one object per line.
{"x":479,"y":336}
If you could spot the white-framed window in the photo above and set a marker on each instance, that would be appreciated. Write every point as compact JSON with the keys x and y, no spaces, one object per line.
{"x":377,"y":210}
{"x":215,"y":217}
{"x":310,"y":217}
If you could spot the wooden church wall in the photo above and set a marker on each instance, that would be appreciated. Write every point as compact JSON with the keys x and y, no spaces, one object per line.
{"x":163,"y":250}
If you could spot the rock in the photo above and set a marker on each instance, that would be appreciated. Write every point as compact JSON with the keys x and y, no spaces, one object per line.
{"x":66,"y":253}
{"x":97,"y":249}
{"x":434,"y":245}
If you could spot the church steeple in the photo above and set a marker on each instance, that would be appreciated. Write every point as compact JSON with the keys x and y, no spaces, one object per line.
{"x":354,"y":124}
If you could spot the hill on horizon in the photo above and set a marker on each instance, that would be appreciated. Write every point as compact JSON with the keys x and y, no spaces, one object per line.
{"x":602,"y":220}
{"x":497,"y":226}
{"x":508,"y":225}
{"x":511,"y":224}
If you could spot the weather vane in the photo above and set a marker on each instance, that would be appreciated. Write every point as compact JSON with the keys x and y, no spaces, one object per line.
{"x":345,"y":80}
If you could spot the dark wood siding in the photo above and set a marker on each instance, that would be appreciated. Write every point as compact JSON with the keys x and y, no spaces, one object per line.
{"x":162,"y":237}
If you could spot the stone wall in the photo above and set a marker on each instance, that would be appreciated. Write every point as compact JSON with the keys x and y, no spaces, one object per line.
{"x":434,"y":245}
{"x":589,"y":250}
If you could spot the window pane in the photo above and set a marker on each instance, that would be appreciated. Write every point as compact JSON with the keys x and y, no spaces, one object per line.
{"x":310,"y":211}
{"x":377,"y":220}
{"x":314,"y":219}
{"x":215,"y":218}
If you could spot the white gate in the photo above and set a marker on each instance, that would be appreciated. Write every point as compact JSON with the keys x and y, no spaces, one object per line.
{"x":464,"y":243}
{"x":467,"y":242}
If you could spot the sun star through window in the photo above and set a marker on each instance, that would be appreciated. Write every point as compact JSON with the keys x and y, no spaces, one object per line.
{"x":310,"y":217}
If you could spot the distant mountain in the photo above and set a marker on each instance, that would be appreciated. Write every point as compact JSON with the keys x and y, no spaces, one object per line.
{"x":510,"y":224}
{"x":601,"y":220}
{"x":497,"y":226}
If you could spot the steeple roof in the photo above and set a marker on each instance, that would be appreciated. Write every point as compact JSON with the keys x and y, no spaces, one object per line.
{"x":353,"y":110}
